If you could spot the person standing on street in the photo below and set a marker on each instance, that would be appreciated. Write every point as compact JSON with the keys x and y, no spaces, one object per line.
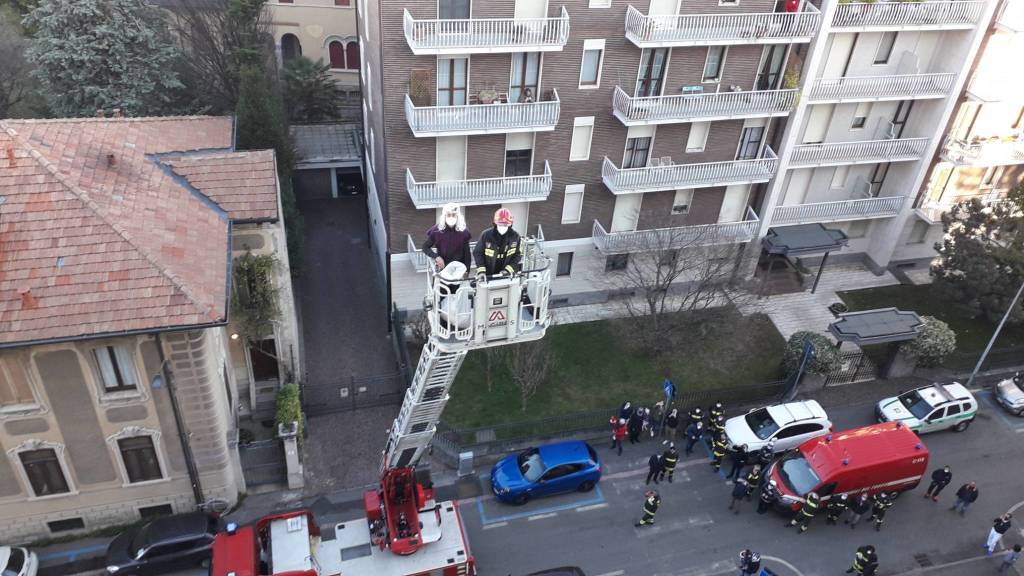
{"x":864,"y":557}
{"x":715,"y":411}
{"x":668,"y":462}
{"x":965,"y":496}
{"x":882,"y":502}
{"x":694,"y":434}
{"x":806,"y":513}
{"x":654,"y":469}
{"x":940,"y":478}
{"x":718,"y":449}
{"x":1010,"y":559}
{"x":739,"y":461}
{"x":769,"y":495}
{"x":766,"y":455}
{"x":750,"y":563}
{"x":618,"y":433}
{"x":635,"y":425}
{"x":753,"y":480}
{"x":626,"y":411}
{"x":999,"y":527}
{"x":651,"y":502}
{"x":860,"y":506}
{"x":739,"y":492}
{"x":657,"y":416}
{"x":671,"y":424}
{"x":836,"y":507}
{"x":696,"y":415}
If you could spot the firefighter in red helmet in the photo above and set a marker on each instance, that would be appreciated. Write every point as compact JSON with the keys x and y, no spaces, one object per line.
{"x":500,"y":250}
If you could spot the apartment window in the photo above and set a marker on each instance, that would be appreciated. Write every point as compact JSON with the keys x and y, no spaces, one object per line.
{"x":68,"y":524}
{"x":681,"y":202}
{"x":564,"y":264}
{"x":15,"y":390}
{"x":116,"y":367}
{"x":139,"y":457}
{"x":616,"y":262}
{"x":918,"y":232}
{"x":290,"y":47}
{"x":352,"y":55}
{"x":451,"y":81}
{"x":878,"y":176}
{"x":860,"y":115}
{"x":582,"y":133}
{"x":698,"y":137}
{"x":858,"y":229}
{"x":884,"y":50}
{"x":590,"y":68}
{"x":44,"y":472}
{"x":453,"y":9}
{"x":599,"y":4}
{"x":651,"y":77}
{"x":517,"y":162}
{"x":637,"y":152}
{"x":344,"y":55}
{"x":714,"y":63}
{"x":572,"y":207}
{"x":750,"y":142}
{"x":150,"y":512}
{"x":525,"y":77}
{"x":839,"y":176}
{"x":991,"y":177}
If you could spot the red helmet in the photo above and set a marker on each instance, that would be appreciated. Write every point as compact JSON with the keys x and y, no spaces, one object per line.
{"x":503,"y":216}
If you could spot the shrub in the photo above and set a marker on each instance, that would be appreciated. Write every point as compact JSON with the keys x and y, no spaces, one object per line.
{"x":826,"y":355}
{"x":289,"y":407}
{"x":935,"y":341}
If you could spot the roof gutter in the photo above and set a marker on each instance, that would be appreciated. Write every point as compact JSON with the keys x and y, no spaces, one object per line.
{"x":118,"y":334}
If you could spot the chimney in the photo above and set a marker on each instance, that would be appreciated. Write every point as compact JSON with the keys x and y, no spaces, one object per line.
{"x":28,"y":301}
{"x":115,"y":113}
{"x":111,"y":160}
{"x":100,"y":113}
{"x":10,"y":156}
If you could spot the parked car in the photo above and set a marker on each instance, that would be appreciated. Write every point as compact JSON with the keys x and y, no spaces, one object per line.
{"x":1010,"y":394}
{"x":930,"y":408}
{"x":164,"y":545}
{"x":788,"y":425}
{"x":549,"y":469}
{"x":869,"y":459}
{"x":16,"y":561}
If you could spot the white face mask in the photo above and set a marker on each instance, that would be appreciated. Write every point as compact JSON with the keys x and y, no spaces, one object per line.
{"x":451,"y":220}
{"x":502,"y":229}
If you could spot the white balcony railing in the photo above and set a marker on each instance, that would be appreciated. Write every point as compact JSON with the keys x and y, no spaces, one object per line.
{"x":661,"y":239}
{"x":675,"y":176}
{"x":878,"y":16}
{"x":891,"y":87}
{"x":634,"y":111}
{"x":721,"y":29}
{"x":486,"y":35}
{"x":481,"y":191}
{"x":985,"y":153}
{"x":838,"y":211}
{"x":863,"y":152}
{"x":476,"y":119}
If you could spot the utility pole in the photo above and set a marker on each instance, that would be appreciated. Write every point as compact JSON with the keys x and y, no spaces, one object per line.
{"x":995,"y":335}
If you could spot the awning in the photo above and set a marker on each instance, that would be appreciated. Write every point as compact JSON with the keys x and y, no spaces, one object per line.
{"x":876,"y":326}
{"x":803,"y":239}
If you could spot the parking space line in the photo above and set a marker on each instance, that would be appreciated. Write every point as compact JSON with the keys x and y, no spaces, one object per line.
{"x":485,"y":520}
{"x":542,"y":516}
{"x":592,"y":507}
{"x":495,"y":525}
{"x":987,"y":395}
{"x":615,"y":573}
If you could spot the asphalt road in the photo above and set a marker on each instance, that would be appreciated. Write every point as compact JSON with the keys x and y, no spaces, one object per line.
{"x":695,"y":534}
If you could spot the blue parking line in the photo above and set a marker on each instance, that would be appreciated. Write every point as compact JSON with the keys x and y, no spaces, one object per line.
{"x":707,"y":450}
{"x":485,"y":520}
{"x":73,"y":554}
{"x":999,"y":409}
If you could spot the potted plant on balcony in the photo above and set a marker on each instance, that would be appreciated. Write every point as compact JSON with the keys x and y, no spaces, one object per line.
{"x":487,"y":96}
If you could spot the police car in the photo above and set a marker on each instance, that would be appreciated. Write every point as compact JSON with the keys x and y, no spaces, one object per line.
{"x":930,"y":408}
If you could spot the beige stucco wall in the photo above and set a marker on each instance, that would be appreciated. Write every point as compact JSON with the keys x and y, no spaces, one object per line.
{"x":315,"y":23}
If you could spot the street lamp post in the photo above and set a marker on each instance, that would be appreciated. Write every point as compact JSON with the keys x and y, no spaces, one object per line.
{"x":995,"y":335}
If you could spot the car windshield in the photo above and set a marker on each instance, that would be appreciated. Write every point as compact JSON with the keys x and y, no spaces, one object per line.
{"x":15,"y":563}
{"x":797,"y":474}
{"x":762,"y":424}
{"x":530,"y":465}
{"x":915,"y":404}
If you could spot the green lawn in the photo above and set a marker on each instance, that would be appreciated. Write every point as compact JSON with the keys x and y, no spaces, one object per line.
{"x":972,"y":334}
{"x":593,"y":369}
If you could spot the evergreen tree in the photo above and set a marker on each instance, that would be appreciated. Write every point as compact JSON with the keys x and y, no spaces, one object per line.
{"x":310,"y":93}
{"x":92,"y":54}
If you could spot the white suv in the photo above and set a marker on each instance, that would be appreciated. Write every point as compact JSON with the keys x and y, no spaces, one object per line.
{"x":788,"y":425}
{"x":930,"y":408}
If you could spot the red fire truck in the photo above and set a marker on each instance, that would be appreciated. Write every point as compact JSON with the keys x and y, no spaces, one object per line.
{"x":404,"y":532}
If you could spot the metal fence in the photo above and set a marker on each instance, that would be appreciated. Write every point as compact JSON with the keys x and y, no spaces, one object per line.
{"x":854,"y":366}
{"x":263,"y":462}
{"x":355,"y":392}
{"x":449,"y":442}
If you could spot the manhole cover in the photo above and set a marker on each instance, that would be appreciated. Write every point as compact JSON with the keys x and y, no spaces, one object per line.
{"x":923,"y":560}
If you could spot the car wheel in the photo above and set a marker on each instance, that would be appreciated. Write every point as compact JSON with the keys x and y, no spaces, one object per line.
{"x":1019,"y":412}
{"x":961,"y":426}
{"x":586,"y":486}
{"x":521,"y":499}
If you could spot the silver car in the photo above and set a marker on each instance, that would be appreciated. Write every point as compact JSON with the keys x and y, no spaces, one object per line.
{"x":1010,"y":394}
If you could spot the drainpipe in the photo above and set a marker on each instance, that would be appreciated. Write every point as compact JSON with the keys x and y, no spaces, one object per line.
{"x":186,"y":448}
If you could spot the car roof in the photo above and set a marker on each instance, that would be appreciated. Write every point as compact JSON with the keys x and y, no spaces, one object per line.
{"x":175,"y":527}
{"x":563,"y":453}
{"x":877,"y":442}
{"x":796,"y":411}
{"x":937,"y":394}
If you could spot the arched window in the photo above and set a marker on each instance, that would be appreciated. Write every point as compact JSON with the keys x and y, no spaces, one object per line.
{"x":336,"y":50}
{"x":290,"y":47}
{"x":352,"y":55}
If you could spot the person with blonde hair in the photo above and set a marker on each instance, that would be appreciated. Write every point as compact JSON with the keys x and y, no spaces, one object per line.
{"x":448,"y":240}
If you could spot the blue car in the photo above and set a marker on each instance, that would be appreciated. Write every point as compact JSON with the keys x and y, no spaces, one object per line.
{"x":550,"y":469}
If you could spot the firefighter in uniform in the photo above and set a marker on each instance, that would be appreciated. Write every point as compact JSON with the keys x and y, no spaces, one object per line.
{"x":651,"y":502}
{"x":836,"y":507}
{"x":865,"y":558}
{"x":807,"y":512}
{"x":882,"y":502}
{"x":499,"y":251}
{"x":696,"y":415}
{"x":769,"y":495}
{"x":718,"y":449}
{"x":766,"y":454}
{"x":668,"y":462}
{"x":753,"y":480}
{"x":716,"y":424}
{"x":715,"y":411}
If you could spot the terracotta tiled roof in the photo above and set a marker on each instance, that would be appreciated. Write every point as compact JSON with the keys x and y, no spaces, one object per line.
{"x":244,"y":184}
{"x":98,"y":237}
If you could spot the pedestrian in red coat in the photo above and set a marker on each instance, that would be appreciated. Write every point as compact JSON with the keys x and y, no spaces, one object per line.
{"x":618,"y":432}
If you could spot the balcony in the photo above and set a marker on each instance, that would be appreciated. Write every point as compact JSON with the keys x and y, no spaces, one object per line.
{"x":876,"y":88}
{"x":862,"y":152}
{"x":721,"y":29}
{"x":634,"y":111}
{"x":1011,"y":18}
{"x":838,"y":211}
{"x":677,"y":176}
{"x":675,"y":238}
{"x":474,"y":119}
{"x":906,"y":15}
{"x":481,"y":191}
{"x":486,"y":35}
{"x":991,"y":152}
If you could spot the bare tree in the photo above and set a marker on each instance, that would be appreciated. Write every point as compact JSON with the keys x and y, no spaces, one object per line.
{"x":15,"y":78}
{"x":529,"y":363}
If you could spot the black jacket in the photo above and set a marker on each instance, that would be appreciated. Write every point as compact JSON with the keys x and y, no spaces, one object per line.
{"x":965,"y":493}
{"x":942,"y":477}
{"x":1000,"y":525}
{"x":496,"y":253}
{"x":450,"y":244}
{"x":654,"y":462}
{"x":860,"y":505}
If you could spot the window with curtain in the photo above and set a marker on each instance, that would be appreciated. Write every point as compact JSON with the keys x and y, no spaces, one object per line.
{"x":352,"y":55}
{"x":652,"y":72}
{"x":637,"y":150}
{"x":116,"y":367}
{"x":139,"y":457}
{"x":44,"y":473}
{"x":451,"y":82}
{"x":525,"y":77}
{"x":336,"y":51}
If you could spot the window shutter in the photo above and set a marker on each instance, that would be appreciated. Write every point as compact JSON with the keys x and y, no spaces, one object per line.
{"x":337,"y":55}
